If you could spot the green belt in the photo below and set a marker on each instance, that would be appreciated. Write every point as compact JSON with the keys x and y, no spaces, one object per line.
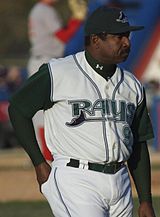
{"x":110,"y":168}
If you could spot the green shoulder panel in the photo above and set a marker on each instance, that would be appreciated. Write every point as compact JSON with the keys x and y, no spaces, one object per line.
{"x":142,"y":126}
{"x":35,"y":91}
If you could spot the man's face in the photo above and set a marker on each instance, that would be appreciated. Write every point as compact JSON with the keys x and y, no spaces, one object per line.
{"x":115,"y":48}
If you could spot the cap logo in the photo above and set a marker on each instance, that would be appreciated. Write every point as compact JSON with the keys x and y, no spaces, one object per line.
{"x":122,"y":18}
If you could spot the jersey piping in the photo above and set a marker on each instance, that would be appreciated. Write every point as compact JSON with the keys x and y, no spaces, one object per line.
{"x":119,"y":83}
{"x":100,"y":97}
{"x":52,"y":84}
{"x":59,"y":193}
{"x":113,"y":97}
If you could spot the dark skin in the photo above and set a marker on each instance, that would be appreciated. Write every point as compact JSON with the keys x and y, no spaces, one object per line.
{"x":114,"y":49}
{"x":42,"y":172}
{"x":111,"y":51}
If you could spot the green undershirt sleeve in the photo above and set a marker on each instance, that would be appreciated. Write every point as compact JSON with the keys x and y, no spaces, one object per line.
{"x":141,"y":126}
{"x":139,"y":167}
{"x":32,"y":97}
{"x":24,"y":130}
{"x":139,"y":162}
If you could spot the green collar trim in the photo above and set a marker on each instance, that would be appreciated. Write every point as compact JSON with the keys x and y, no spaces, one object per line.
{"x":102,"y":69}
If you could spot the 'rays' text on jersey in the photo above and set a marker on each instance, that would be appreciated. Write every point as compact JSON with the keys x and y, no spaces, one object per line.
{"x":100,"y":110}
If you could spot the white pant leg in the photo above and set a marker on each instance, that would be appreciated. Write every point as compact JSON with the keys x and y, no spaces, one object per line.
{"x":68,"y":198}
{"x":82,"y":193}
{"x":122,"y":202}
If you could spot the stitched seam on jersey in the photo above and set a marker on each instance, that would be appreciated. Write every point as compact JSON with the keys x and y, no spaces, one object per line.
{"x":139,"y":85}
{"x":51,"y":78}
{"x":59,"y":193}
{"x":118,"y":85}
{"x":113,"y":97}
{"x":100,"y":97}
{"x":142,"y":97}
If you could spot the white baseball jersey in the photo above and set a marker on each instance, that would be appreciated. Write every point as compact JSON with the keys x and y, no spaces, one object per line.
{"x":91,"y":118}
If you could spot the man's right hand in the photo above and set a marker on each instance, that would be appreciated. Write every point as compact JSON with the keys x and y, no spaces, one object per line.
{"x":42,"y":172}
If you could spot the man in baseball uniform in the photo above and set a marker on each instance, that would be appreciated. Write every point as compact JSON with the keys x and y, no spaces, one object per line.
{"x":96,"y":122}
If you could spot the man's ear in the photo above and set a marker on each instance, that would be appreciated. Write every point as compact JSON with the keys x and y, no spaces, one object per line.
{"x":95,"y":41}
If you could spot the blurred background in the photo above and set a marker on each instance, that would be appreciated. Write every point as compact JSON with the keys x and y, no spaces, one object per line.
{"x":144,"y":62}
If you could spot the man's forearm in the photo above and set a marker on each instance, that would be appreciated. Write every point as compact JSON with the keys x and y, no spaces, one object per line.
{"x":24,"y":130}
{"x":139,"y":167}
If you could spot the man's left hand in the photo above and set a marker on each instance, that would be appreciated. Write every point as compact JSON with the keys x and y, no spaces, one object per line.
{"x":146,"y":210}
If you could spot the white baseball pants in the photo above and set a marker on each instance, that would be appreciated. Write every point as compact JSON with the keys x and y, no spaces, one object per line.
{"x":79,"y":192}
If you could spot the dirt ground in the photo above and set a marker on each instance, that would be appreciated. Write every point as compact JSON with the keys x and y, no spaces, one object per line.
{"x":18,"y":181}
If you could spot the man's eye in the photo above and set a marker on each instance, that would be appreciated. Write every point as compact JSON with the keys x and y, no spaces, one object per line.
{"x":118,"y":36}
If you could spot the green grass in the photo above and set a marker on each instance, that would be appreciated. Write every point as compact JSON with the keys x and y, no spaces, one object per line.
{"x":41,"y":208}
{"x":155,"y":167}
{"x":25,"y":209}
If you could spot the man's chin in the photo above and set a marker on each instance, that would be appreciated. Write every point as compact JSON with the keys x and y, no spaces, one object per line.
{"x":124,"y":57}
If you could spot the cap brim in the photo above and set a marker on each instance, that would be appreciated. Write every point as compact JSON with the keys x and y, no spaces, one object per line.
{"x":127,"y":29}
{"x":135,"y":28}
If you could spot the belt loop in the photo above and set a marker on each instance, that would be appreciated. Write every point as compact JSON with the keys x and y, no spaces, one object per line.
{"x":83,"y":164}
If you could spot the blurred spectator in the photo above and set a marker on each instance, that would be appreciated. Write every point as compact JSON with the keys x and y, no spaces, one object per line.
{"x":152,"y":88}
{"x":3,"y":87}
{"x":13,"y":78}
{"x":10,"y":81}
{"x":47,"y":34}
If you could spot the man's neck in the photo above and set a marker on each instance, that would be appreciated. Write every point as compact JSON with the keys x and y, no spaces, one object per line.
{"x":105,"y":70}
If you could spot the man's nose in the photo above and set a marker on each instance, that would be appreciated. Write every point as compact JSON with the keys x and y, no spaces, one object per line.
{"x":126,"y":41}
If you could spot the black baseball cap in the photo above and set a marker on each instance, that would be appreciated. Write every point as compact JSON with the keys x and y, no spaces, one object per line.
{"x":109,"y":20}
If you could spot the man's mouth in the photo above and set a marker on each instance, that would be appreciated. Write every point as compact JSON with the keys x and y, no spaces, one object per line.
{"x":126,"y":51}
